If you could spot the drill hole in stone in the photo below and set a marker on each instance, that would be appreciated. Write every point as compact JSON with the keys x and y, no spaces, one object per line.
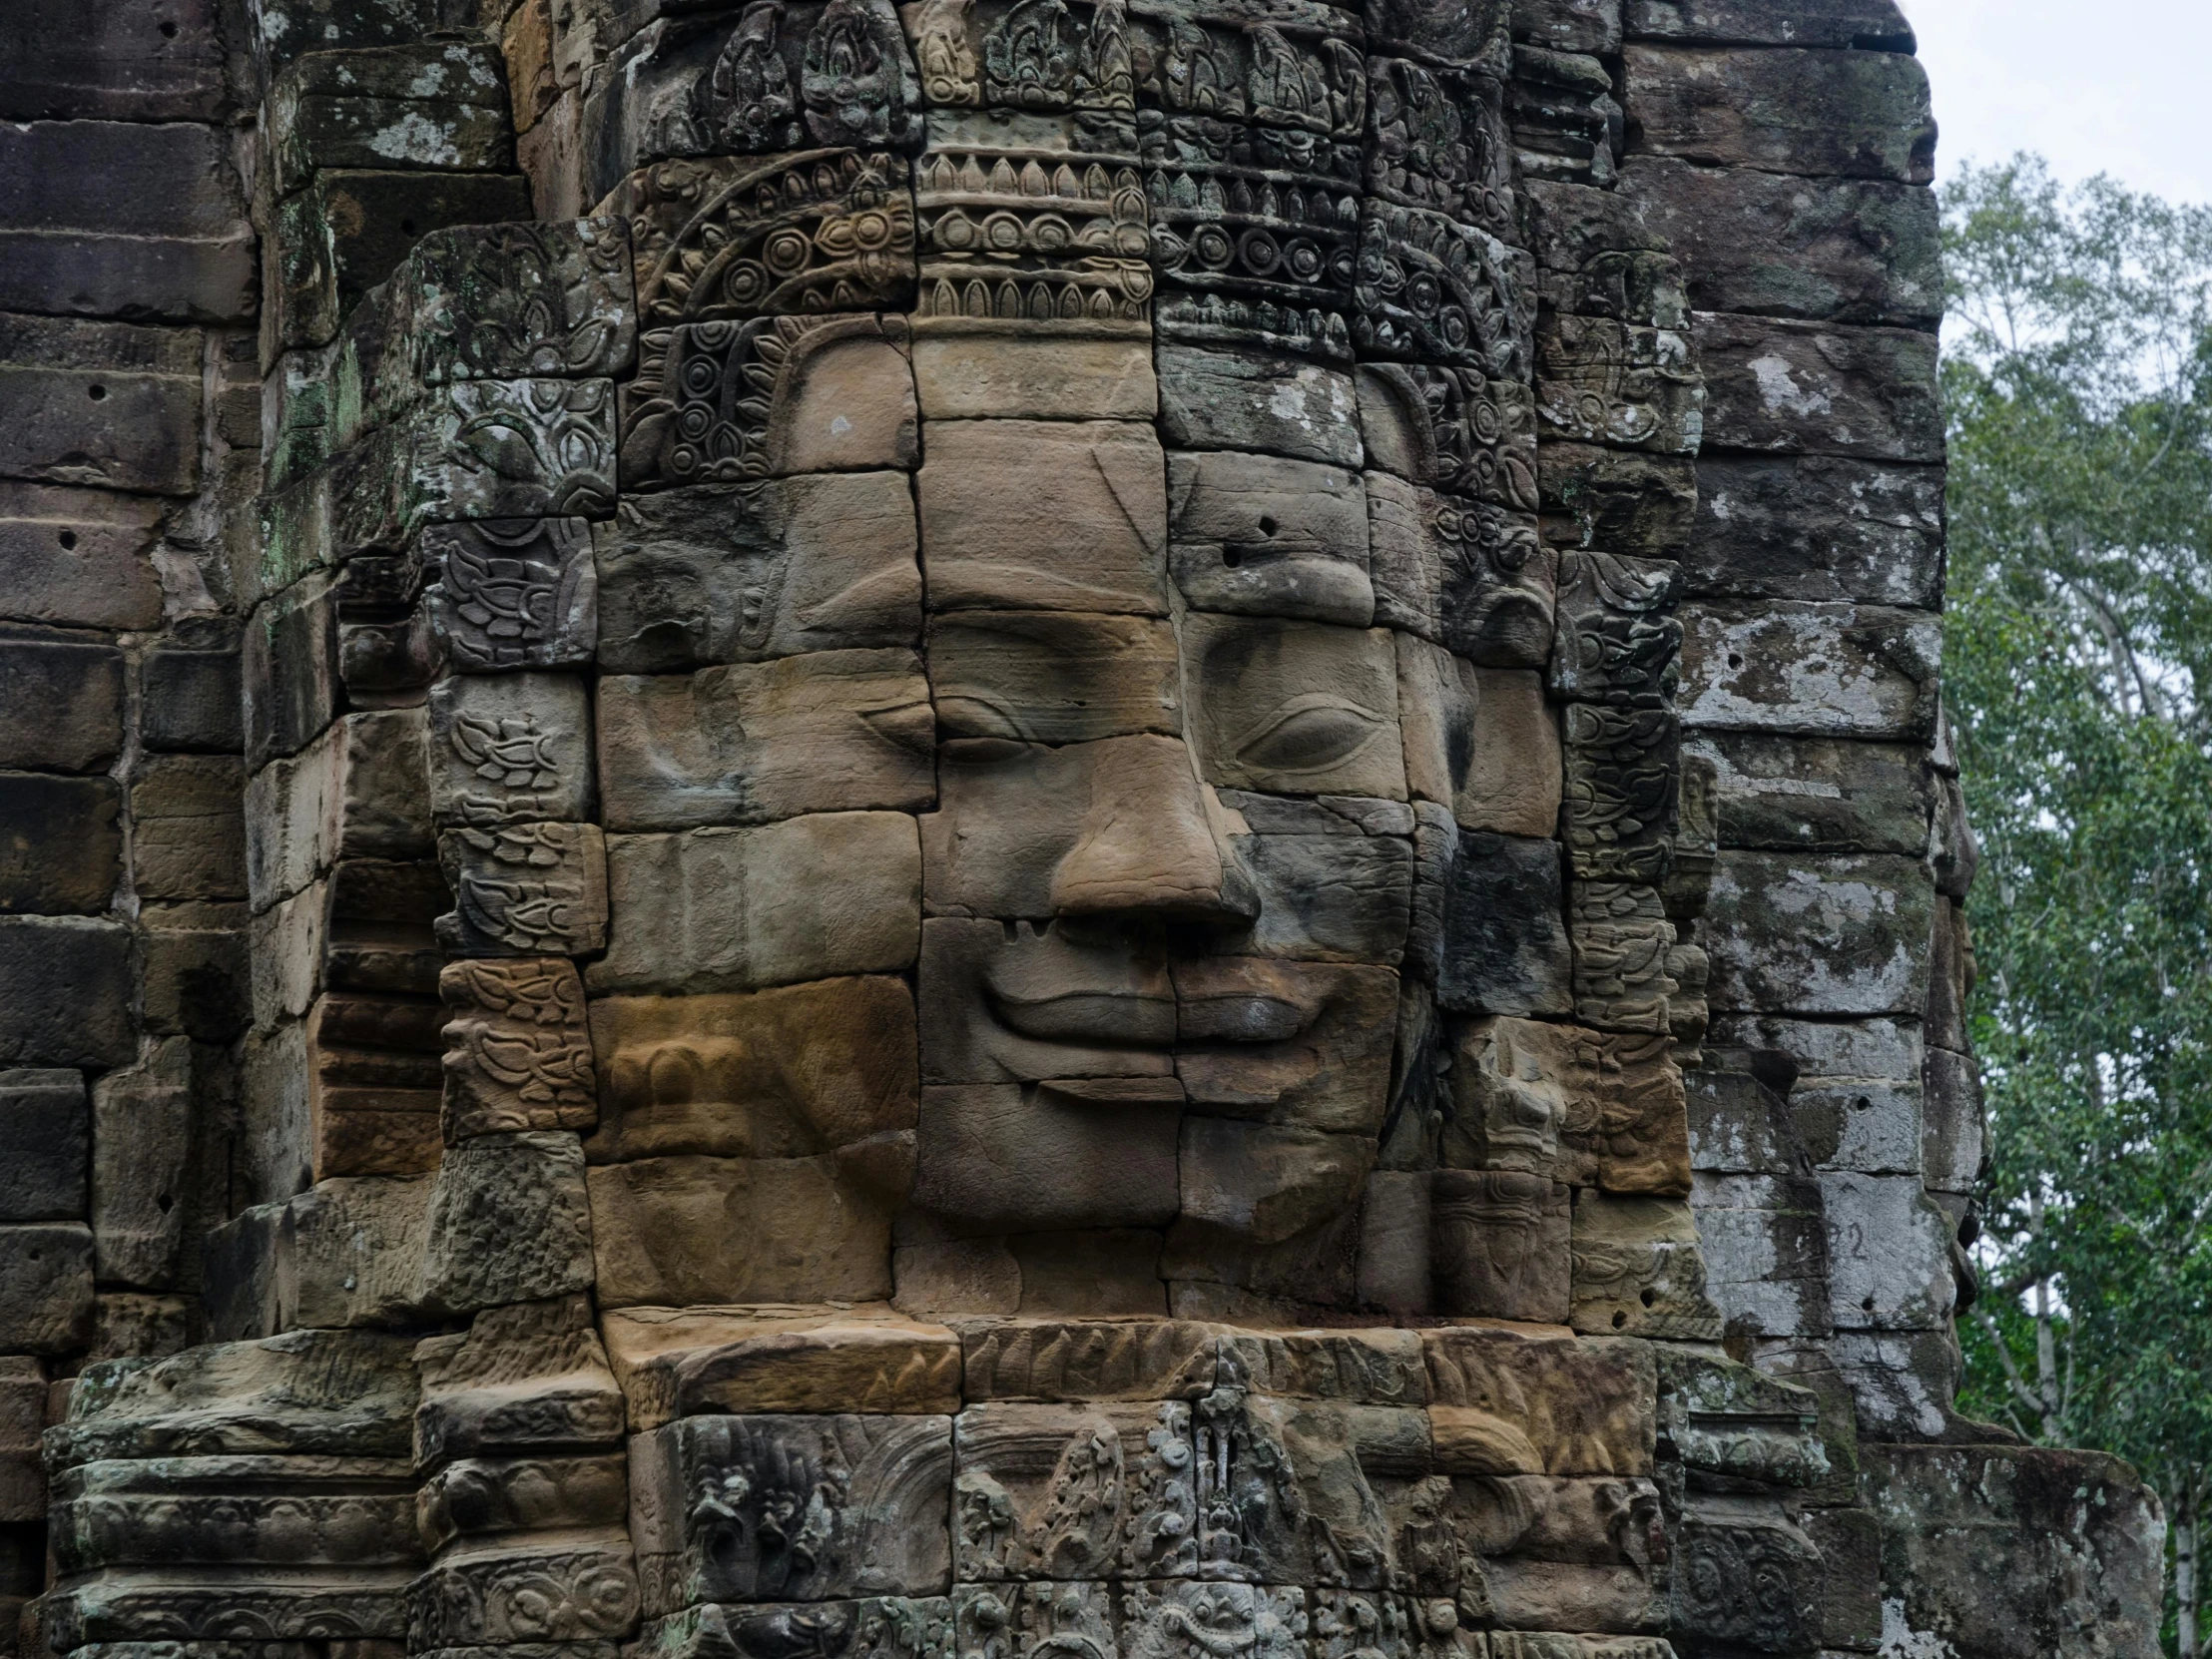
{"x":1867,"y":1307}
{"x":1648,"y":1297}
{"x":1619,"y":1319}
{"x":1735,"y":661}
{"x":1860,"y":1103}
{"x":1230,"y":557}
{"x":168,"y":30}
{"x":163,"y":1203}
{"x":407,"y":227}
{"x":67,"y":539}
{"x":98,"y":394}
{"x":1267,"y":525}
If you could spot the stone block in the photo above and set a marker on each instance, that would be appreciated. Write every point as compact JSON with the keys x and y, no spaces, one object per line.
{"x":1508,"y":1401}
{"x":1263,"y":536}
{"x":1272,"y":402}
{"x":125,"y":217}
{"x":501,"y":302}
{"x":167,"y":66}
{"x":142,"y":1169}
{"x":522,"y":1381}
{"x":881,"y":1485}
{"x":1331,"y":877}
{"x":350,"y":228}
{"x":1820,"y":670}
{"x":737,"y":909}
{"x":689,"y":1230}
{"x":525,"y":889}
{"x":130,"y":1324}
{"x":79,"y":557}
{"x":1499,"y":1245}
{"x":1031,"y":830}
{"x":738,"y":573}
{"x":981,"y":370}
{"x":783,"y":1073}
{"x":1869,"y":25}
{"x":1013,"y":1158}
{"x":820,"y":394}
{"x":1765,"y":1249}
{"x":514,"y":593}
{"x":685,"y":1363}
{"x":60,"y":847}
{"x":189,"y":827}
{"x":751,"y":743}
{"x":1568,"y":25}
{"x":348,"y":1252}
{"x":1974,"y":1537}
{"x":509,"y":748}
{"x":1590,"y":1108}
{"x":46,"y":1299}
{"x":194,"y":964}
{"x":1864,"y":115}
{"x":65,"y":993}
{"x":1103,"y":548}
{"x":1637,"y":1271}
{"x":504,"y":450}
{"x":1254,"y":1184}
{"x":1889,"y":1254}
{"x":1053,"y":677}
{"x":1826,"y":251}
{"x":1811,"y":388}
{"x":507,"y":1221}
{"x":1641,"y":506}
{"x":47,"y":1127}
{"x":1342,"y":737}
{"x":1623,"y":384}
{"x":1014,"y":1451}
{"x":61,"y":705}
{"x":111,"y":405}
{"x":1835,"y":936}
{"x":1953,"y":1128}
{"x":288,"y":666}
{"x":1817,"y":795}
{"x":355,"y":791}
{"x":1506,"y":935}
{"x":434,"y":105}
{"x":1617,"y":638}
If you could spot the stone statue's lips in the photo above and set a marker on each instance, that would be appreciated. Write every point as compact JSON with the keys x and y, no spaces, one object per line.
{"x":1095,"y":1001}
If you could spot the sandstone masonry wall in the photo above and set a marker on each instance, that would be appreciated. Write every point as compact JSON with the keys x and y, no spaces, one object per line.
{"x":364,"y":875}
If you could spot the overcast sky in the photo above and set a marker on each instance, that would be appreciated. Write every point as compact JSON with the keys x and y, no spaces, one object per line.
{"x":2113,"y":87}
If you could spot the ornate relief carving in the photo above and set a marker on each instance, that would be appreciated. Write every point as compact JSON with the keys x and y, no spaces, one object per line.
{"x":820,"y":230}
{"x":498,"y":301}
{"x":1431,"y":289}
{"x":525,"y":889}
{"x":513,"y":593}
{"x":788,"y":75}
{"x":518,"y":1055}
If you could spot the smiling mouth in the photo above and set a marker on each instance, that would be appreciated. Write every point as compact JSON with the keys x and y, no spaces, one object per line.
{"x":1111,"y":1018}
{"x":1095,"y":999}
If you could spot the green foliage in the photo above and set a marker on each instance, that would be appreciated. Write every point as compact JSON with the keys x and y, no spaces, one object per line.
{"x":2078,"y":676}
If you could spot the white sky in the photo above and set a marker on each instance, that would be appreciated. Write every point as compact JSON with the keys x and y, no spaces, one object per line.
{"x":2117,"y":87}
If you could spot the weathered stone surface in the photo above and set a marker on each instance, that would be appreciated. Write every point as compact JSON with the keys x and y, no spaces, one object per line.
{"x":506,"y":1222}
{"x":882,"y":1485}
{"x":1269,"y":537}
{"x":689,"y":1230}
{"x":431,"y":105}
{"x":1497,"y":1244}
{"x":980,"y":370}
{"x":1052,"y":675}
{"x":1277,"y":405}
{"x":1829,"y":250}
{"x":705,"y":1361}
{"x":736,"y":573}
{"x":1505,"y":937}
{"x":1973,"y":1538}
{"x":1589,"y":1108}
{"x":1104,"y":547}
{"x":525,"y":889}
{"x":1637,"y":1269}
{"x":1818,"y":794}
{"x":1821,"y":670}
{"x":356,"y":792}
{"x":513,"y":593}
{"x":74,"y":556}
{"x":1637,"y":504}
{"x":110,"y":406}
{"x":1537,"y":1400}
{"x":523,"y":1378}
{"x":839,"y":398}
{"x":46,"y":1299}
{"x":1805,"y":936}
{"x":167,"y":67}
{"x":46,"y":1124}
{"x":827,"y":731}
{"x":1864,"y":115}
{"x":60,"y":847}
{"x":65,"y":993}
{"x":1889,"y":1254}
{"x":1765,"y":1247}
{"x":289,"y":670}
{"x":110,"y":218}
{"x":1295,"y":707}
{"x":61,"y":704}
{"x":1784,"y":387}
{"x":1871,"y":25}
{"x":781,"y":1073}
{"x":1332,"y":875}
{"x":142,"y":1169}
{"x":736,"y":910}
{"x":509,"y":748}
{"x":1013,"y":1158}
{"x":187,"y":833}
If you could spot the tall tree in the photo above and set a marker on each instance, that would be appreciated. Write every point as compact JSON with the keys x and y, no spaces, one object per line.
{"x":2078,"y":675}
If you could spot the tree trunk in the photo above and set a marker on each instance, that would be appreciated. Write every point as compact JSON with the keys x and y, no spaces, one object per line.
{"x":2185,"y":1569}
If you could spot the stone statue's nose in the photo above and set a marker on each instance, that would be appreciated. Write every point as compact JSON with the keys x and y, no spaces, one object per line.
{"x":1147,"y":845}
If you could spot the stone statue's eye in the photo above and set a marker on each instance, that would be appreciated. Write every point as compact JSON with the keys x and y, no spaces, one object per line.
{"x":963,"y":715}
{"x":1309,"y":733}
{"x":984,"y":752}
